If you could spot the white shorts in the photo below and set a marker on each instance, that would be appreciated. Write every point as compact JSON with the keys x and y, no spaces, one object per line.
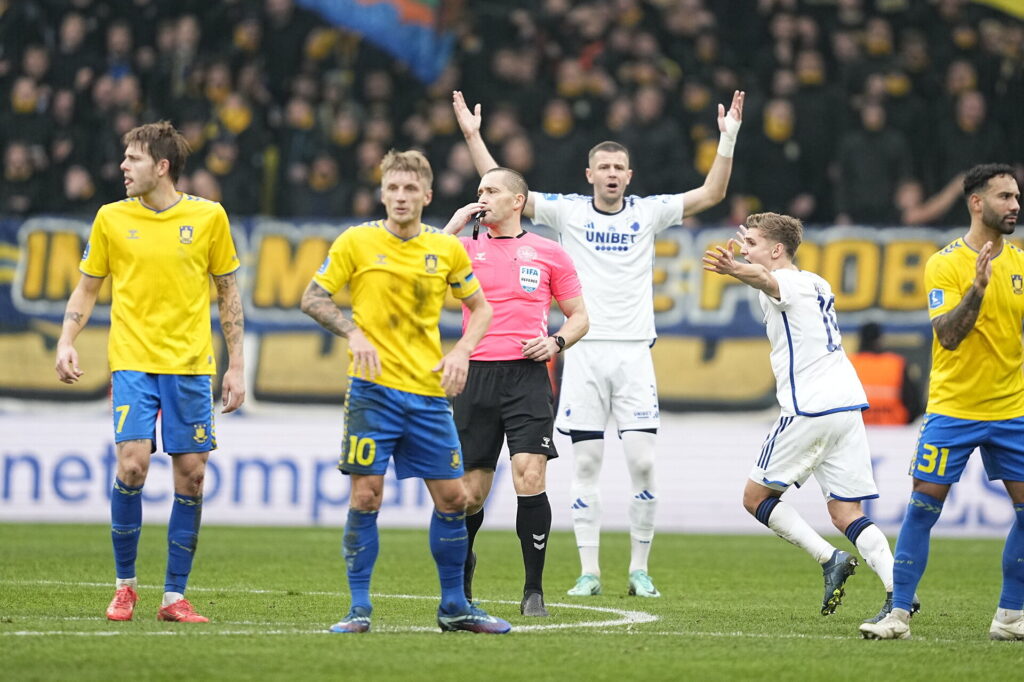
{"x":833,"y":447}
{"x":608,"y":377}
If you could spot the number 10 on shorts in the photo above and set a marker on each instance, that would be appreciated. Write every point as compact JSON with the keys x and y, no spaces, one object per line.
{"x":932,"y":456}
{"x":363,"y":451}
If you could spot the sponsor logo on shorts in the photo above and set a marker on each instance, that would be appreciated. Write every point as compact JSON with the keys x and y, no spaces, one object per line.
{"x":529,"y":278}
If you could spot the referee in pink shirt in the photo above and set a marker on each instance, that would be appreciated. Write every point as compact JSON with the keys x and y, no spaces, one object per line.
{"x":508,"y":391}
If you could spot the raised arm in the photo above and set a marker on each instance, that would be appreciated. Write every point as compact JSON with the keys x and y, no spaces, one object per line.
{"x":469,"y":122}
{"x":722,"y":259}
{"x":951,"y":328}
{"x":79,"y":308}
{"x":717,"y":181}
{"x":232,"y":325}
{"x":316,"y":302}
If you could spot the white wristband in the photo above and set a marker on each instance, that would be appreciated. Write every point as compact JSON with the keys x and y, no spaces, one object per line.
{"x":726,"y":145}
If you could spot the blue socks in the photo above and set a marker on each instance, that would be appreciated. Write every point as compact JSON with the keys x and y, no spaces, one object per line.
{"x":1012,"y":596}
{"x":360,"y":547}
{"x":182,"y":538}
{"x":125,"y":526}
{"x":912,"y":547}
{"x":449,"y":543}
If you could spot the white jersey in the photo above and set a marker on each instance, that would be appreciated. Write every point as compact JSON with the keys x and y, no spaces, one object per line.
{"x":614,"y":257}
{"x":813,"y":376}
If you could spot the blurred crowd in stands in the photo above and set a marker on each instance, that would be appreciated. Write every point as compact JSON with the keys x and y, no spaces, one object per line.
{"x":858,"y":111}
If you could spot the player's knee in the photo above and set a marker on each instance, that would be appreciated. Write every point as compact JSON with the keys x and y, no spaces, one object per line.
{"x":454,"y":500}
{"x":132,"y":472}
{"x":474,"y":500}
{"x":587,"y":468}
{"x":752,"y":499}
{"x":531,"y":482}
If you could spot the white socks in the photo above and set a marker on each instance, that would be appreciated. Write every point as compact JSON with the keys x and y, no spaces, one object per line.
{"x":789,"y":526}
{"x":171,"y":597}
{"x":873,"y":546}
{"x":129,"y":582}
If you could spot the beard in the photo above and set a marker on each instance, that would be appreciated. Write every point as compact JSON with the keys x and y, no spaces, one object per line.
{"x":994,"y":221}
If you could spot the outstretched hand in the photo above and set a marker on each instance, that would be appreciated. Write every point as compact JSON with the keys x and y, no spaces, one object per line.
{"x":729,"y":123}
{"x":721,"y":259}
{"x":469,"y":121}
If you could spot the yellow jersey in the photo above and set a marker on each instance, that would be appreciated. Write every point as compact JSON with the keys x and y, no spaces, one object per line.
{"x":160,"y":263}
{"x":982,"y":379}
{"x":398,"y":288}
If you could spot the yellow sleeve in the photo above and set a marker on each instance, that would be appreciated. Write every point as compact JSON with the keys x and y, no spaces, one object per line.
{"x":942,"y":284}
{"x":223,"y":257}
{"x":336,"y":270}
{"x":461,"y":278}
{"x":96,"y":257}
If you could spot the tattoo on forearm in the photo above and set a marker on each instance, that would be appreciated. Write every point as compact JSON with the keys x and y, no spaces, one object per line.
{"x":952,"y":327}
{"x":317,"y":304}
{"x":232,"y":316}
{"x":73,"y":317}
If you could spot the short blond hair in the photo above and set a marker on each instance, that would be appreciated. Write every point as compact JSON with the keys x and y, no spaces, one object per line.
{"x":782,"y":229}
{"x":411,"y":160}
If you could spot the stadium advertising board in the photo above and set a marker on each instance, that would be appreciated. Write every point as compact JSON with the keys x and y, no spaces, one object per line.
{"x":711,"y":352}
{"x":280,"y":470}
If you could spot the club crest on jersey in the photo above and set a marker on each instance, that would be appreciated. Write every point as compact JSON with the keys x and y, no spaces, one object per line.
{"x":1018,"y":283}
{"x":527,"y":253}
{"x":936,"y":297}
{"x":199,"y":434}
{"x":430,"y":263}
{"x":456,"y":460}
{"x":185,"y":234}
{"x":529,"y":278}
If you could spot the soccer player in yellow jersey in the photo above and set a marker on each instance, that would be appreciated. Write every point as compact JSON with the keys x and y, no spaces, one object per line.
{"x":398,"y":271}
{"x":976,"y":395}
{"x":160,"y":248}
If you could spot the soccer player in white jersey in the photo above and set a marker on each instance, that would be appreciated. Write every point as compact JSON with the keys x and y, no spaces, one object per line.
{"x":610,"y":237}
{"x":820,"y":430}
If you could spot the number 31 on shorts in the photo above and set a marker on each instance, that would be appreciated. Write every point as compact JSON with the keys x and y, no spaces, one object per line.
{"x":933,"y":456}
{"x":361,"y":451}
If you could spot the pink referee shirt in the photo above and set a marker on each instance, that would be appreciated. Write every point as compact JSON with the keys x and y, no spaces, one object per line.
{"x":519,"y":275}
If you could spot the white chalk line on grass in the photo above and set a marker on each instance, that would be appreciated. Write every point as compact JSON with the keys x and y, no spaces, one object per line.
{"x":624,"y":617}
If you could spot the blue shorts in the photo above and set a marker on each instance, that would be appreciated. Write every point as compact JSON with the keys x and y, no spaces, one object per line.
{"x":185,"y":402}
{"x":946,"y":443}
{"x":417,"y":430}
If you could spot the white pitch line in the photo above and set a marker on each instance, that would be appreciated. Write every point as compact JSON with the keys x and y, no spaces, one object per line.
{"x":624,"y":617}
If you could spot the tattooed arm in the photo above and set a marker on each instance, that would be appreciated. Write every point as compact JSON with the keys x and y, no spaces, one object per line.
{"x":317,"y":303}
{"x":951,"y":328}
{"x":232,"y":324}
{"x":77,"y":313}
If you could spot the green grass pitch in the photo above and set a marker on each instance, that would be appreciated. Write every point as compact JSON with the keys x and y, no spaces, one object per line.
{"x":734,"y":607}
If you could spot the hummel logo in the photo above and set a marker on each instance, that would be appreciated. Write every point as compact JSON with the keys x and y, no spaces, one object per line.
{"x":480,"y":256}
{"x":538,"y":541}
{"x":545,"y":442}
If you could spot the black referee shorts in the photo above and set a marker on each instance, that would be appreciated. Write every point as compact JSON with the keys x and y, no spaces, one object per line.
{"x":508,"y":399}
